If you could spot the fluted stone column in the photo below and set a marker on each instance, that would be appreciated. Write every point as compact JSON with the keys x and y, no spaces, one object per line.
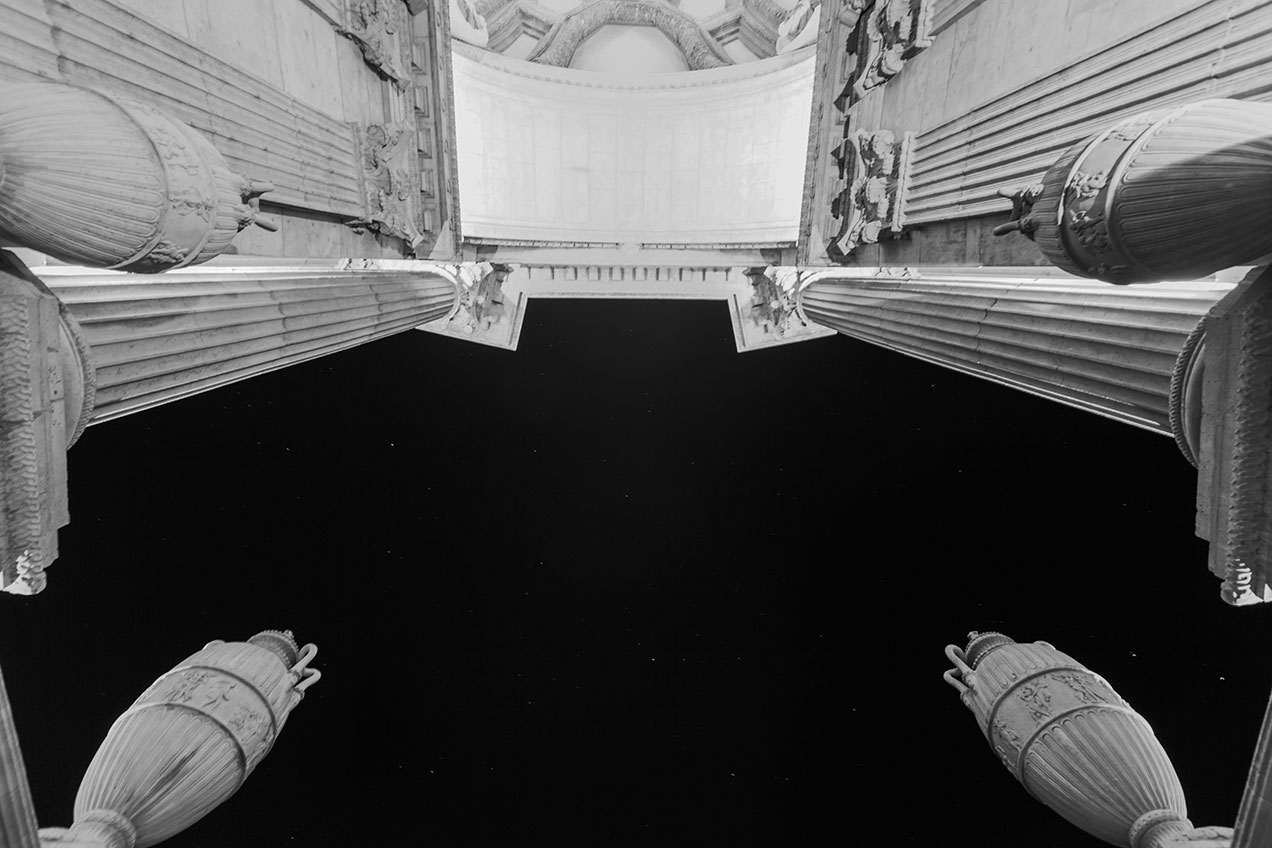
{"x":82,"y":347}
{"x":1111,"y":351}
{"x":158,"y":339}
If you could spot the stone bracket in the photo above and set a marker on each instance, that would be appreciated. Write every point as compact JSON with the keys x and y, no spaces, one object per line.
{"x":390,"y":181}
{"x":382,"y":30}
{"x":1234,"y":482}
{"x":876,"y":166}
{"x":890,"y":33}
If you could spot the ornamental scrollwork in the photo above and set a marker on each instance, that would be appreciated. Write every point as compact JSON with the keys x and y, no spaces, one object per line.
{"x":893,"y":32}
{"x":390,"y":187}
{"x":876,"y":165}
{"x":481,"y":303}
{"x":381,"y":29}
{"x":772,"y":306}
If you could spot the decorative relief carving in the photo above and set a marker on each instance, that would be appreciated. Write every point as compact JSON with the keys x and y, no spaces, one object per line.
{"x":699,"y":48}
{"x":382,"y":30}
{"x":389,"y":182}
{"x":892,"y":32}
{"x":876,"y":166}
{"x":483,"y":312}
{"x":799,"y":27}
{"x":467,"y":24}
{"x":481,"y":303}
{"x":773,"y":304}
{"x":1036,"y":698}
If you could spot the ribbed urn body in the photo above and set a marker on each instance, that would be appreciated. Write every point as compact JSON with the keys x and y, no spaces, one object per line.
{"x":1169,"y":194}
{"x":1070,"y":739}
{"x":192,"y":738}
{"x":113,"y":183}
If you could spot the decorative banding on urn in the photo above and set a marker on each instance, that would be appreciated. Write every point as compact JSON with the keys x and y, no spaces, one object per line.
{"x":1169,"y":194}
{"x":114,"y":183}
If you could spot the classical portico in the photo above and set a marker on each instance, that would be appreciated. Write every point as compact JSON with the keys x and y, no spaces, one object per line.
{"x":988,"y":189}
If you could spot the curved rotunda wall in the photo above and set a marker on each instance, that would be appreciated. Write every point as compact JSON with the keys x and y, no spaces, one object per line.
{"x":710,"y":157}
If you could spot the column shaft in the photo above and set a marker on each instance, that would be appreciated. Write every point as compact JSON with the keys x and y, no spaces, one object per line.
{"x":17,"y":811}
{"x":156,"y":340}
{"x":1107,"y":350}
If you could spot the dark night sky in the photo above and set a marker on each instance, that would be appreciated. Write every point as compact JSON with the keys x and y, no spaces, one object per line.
{"x":626,"y":586}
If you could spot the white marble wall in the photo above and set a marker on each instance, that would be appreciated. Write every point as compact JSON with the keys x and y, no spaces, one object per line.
{"x":702,"y":157}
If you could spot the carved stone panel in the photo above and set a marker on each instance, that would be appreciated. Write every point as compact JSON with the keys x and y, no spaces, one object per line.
{"x":382,"y":29}
{"x":876,"y":167}
{"x":390,"y":182}
{"x":890,"y":33}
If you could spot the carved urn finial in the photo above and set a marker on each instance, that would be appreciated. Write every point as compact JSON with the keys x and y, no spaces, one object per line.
{"x":188,"y":742}
{"x":114,"y":183}
{"x":1169,"y":194}
{"x":1071,"y":741}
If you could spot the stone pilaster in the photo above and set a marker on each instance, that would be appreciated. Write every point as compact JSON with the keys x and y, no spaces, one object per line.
{"x":156,"y":340}
{"x":1114,"y":352}
{"x":46,"y":390}
{"x":1234,"y":444}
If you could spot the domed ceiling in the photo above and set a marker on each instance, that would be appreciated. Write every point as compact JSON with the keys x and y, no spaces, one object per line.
{"x":642,"y":36}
